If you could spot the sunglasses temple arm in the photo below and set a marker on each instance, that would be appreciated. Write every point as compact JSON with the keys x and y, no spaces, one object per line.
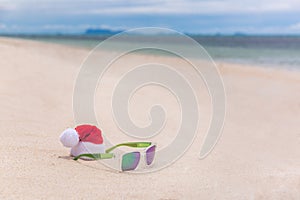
{"x":130,"y":144}
{"x":96,"y":156}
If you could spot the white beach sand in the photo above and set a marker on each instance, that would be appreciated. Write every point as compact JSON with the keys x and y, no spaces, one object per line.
{"x":257,"y":157}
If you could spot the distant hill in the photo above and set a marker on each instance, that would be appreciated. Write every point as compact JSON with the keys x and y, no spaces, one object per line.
{"x":101,"y":32}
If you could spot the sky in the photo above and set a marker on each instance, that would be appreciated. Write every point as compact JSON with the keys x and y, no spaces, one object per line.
{"x":189,"y":16}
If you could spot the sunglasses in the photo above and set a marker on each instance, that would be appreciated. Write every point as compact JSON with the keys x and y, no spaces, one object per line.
{"x":128,"y":161}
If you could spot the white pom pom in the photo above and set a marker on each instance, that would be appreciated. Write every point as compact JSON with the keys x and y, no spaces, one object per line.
{"x":69,"y":138}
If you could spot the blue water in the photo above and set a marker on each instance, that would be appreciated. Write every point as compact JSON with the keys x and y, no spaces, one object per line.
{"x":268,"y":51}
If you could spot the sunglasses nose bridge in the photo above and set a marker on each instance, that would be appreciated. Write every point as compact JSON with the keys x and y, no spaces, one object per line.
{"x":143,"y":160}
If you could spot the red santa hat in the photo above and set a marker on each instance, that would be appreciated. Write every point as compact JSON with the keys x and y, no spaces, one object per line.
{"x":83,"y":139}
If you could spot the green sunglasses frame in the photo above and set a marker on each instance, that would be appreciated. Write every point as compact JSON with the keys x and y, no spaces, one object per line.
{"x":109,"y":155}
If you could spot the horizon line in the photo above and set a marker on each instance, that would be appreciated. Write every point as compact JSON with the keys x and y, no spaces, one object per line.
{"x":237,"y":34}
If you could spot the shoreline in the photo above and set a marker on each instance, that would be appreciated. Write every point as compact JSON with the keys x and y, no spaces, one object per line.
{"x":90,"y":47}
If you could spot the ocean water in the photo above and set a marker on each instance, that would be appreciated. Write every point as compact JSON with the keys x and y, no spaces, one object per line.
{"x":267,"y":51}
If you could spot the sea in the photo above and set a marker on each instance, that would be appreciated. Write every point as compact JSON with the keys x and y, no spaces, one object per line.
{"x":267,"y":51}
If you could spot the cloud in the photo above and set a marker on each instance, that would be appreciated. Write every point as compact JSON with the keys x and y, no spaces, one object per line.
{"x":198,"y":7}
{"x":2,"y":26}
{"x":149,"y":7}
{"x":80,"y":27}
{"x":204,"y":16}
{"x":7,"y":6}
{"x":295,"y":27}
{"x":55,"y":28}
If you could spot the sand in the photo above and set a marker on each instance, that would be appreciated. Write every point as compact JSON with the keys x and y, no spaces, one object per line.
{"x":257,"y":156}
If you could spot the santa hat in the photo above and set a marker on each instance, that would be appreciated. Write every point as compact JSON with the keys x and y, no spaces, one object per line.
{"x":83,"y":139}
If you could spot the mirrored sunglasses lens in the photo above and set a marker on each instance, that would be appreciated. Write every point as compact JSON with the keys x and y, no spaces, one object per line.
{"x":150,"y":153}
{"x":130,"y":161}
